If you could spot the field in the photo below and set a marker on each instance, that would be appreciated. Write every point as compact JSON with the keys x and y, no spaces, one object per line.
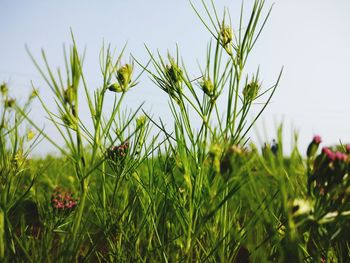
{"x":127,"y":188}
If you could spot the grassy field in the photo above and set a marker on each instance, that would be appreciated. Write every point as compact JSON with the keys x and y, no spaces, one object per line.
{"x":125,"y":188}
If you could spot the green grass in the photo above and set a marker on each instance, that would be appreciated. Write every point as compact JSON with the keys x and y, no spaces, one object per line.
{"x":125,"y":188}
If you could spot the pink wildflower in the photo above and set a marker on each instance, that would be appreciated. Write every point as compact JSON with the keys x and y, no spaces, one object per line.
{"x":329,"y":153}
{"x":317,"y":139}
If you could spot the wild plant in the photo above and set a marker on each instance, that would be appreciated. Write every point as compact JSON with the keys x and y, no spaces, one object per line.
{"x":199,"y":192}
{"x":16,"y":142}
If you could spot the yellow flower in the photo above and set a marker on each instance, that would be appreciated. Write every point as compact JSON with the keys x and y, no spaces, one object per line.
{"x":30,"y":135}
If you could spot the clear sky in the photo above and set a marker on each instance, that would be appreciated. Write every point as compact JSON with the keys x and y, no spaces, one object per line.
{"x":310,"y":38}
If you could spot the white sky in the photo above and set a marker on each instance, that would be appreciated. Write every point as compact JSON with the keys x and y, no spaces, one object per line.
{"x":310,"y":38}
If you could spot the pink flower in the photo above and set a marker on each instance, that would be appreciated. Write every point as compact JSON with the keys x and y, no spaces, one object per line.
{"x":329,"y":153}
{"x":339,"y":156}
{"x":317,"y":139}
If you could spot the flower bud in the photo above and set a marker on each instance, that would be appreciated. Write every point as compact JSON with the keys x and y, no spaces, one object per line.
{"x":330,"y":155}
{"x":69,"y":96}
{"x":4,"y":89}
{"x":123,"y":83}
{"x":207,"y":86}
{"x":9,"y":103}
{"x":174,"y":72}
{"x":30,"y":135}
{"x":115,"y":87}
{"x":251,"y":90}
{"x":313,"y":146}
{"x":341,"y":157}
{"x":140,"y":121}
{"x":124,"y":74}
{"x":33,"y":94}
{"x":226,"y":37}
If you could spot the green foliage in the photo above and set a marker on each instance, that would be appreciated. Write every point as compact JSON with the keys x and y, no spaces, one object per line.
{"x":190,"y":194}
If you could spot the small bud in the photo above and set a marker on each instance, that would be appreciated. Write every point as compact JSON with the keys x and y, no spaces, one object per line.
{"x":140,"y":121}
{"x":34,"y":94}
{"x":30,"y":135}
{"x":9,"y":103}
{"x":317,"y":139}
{"x":251,"y":90}
{"x":174,"y":72}
{"x":4,"y":89}
{"x":69,"y":96}
{"x":226,"y":37}
{"x":123,"y":83}
{"x":115,"y":87}
{"x":313,"y":146}
{"x":328,"y":153}
{"x":207,"y":86}
{"x":124,"y":74}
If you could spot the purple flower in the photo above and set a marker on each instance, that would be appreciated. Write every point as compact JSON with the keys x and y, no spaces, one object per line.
{"x":62,"y":201}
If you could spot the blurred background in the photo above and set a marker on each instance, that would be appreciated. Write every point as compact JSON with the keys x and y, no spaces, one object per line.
{"x":309,"y":38}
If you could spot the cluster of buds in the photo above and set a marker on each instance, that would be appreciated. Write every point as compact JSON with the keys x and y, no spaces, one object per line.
{"x":62,"y":201}
{"x":118,"y":152}
{"x":172,"y":83}
{"x":226,"y":37}
{"x":329,"y":173}
{"x":174,"y":72}
{"x":123,"y":83}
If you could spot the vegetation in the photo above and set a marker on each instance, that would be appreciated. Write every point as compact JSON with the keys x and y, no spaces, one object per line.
{"x":120,"y":192}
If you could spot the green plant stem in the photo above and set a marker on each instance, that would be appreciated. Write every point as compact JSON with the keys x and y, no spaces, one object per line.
{"x":84,"y":189}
